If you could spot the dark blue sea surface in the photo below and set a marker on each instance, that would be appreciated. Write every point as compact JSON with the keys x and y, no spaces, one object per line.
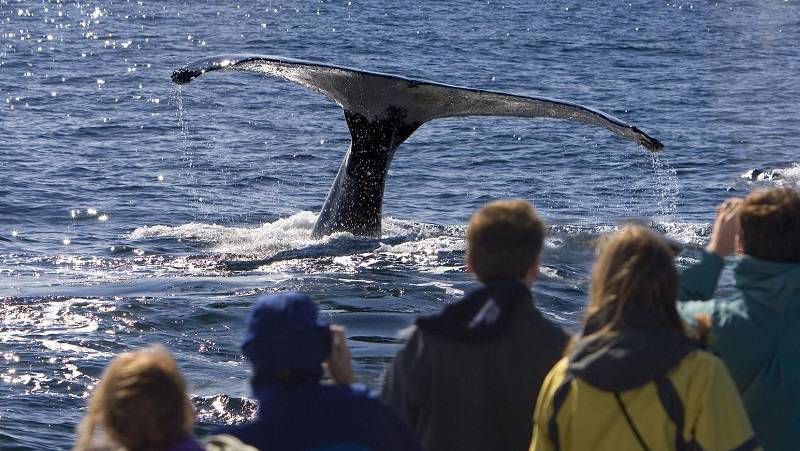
{"x":122,"y":195}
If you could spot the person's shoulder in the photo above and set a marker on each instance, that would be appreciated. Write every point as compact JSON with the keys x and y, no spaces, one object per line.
{"x":557,"y":376}
{"x":408,"y":333}
{"x":413,"y":343}
{"x":559,"y":370}
{"x":700,"y":359}
{"x":225,"y":442}
{"x":355,"y":391}
{"x":235,"y":430}
{"x":534,"y":320}
{"x":699,"y":367}
{"x":359,"y":390}
{"x":420,"y":344}
{"x":355,"y":401}
{"x":362,"y":402}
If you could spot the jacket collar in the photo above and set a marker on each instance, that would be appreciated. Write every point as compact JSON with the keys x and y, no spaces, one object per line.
{"x":483,"y":314}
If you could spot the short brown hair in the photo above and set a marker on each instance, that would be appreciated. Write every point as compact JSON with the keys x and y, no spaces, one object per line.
{"x":504,"y":239}
{"x":770,"y":224}
{"x":141,"y":402}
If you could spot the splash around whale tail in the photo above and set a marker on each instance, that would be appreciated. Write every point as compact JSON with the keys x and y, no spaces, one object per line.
{"x":382,"y":111}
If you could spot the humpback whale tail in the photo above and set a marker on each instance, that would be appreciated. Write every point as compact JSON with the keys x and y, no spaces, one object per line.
{"x":382,"y":111}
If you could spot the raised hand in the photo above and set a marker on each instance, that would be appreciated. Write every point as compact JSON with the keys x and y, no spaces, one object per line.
{"x":726,"y":228}
{"x":339,"y":361}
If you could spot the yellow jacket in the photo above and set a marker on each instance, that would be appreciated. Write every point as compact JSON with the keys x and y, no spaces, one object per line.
{"x":592,"y":419}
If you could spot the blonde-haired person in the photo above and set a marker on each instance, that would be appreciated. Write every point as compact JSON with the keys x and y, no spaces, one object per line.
{"x":141,"y":404}
{"x":634,"y":379}
{"x":468,"y":377}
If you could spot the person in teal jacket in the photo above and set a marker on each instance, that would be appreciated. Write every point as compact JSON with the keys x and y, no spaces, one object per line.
{"x":757,"y":331}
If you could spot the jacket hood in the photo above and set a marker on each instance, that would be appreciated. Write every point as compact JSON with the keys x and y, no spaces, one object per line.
{"x":482,"y":315}
{"x":285,"y":341}
{"x":774,"y":284}
{"x":629,"y":358}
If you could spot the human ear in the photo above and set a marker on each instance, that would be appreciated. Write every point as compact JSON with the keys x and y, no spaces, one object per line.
{"x":533,"y":271}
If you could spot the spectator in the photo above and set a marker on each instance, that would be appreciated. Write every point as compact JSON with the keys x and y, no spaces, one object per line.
{"x":757,"y":331}
{"x":140,"y":404}
{"x":468,"y":377}
{"x":634,"y":379}
{"x":287,"y":345}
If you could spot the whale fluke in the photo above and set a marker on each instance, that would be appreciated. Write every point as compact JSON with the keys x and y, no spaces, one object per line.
{"x":382,"y":111}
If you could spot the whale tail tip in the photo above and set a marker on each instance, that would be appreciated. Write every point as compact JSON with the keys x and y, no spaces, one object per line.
{"x":183,"y":76}
{"x":648,"y":141}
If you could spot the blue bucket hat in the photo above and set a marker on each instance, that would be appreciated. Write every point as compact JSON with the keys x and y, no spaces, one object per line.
{"x":285,"y":341}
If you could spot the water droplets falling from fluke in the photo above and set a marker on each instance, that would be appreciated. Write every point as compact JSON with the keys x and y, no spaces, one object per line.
{"x":177,"y":100}
{"x":667,"y":186}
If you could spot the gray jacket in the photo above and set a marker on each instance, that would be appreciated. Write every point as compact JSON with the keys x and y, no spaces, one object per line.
{"x":475,"y":394}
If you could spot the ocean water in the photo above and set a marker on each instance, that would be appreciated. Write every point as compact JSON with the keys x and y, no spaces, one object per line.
{"x":122,"y":194}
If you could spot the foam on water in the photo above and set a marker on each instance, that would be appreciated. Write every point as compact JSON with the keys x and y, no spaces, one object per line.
{"x":792,"y":175}
{"x":269,"y":238}
{"x":789,"y":176}
{"x":294,"y":232}
{"x":62,"y":317}
{"x":224,"y":409}
{"x":448,"y":288}
{"x":689,"y":233}
{"x":286,"y":246}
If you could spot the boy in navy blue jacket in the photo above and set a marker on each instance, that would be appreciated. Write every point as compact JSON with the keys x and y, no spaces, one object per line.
{"x":287,"y":345}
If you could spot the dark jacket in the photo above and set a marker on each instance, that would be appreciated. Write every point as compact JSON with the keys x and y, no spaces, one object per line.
{"x":286,"y":343}
{"x":468,"y":377}
{"x":756,"y":331}
{"x":311,"y":416}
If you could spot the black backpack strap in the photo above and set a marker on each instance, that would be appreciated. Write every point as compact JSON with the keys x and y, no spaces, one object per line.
{"x":674,"y":406}
{"x":559,"y":397}
{"x":667,"y":394}
{"x":630,"y":422}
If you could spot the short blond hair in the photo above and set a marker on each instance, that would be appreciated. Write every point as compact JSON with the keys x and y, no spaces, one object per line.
{"x":770,"y":224}
{"x":141,"y":402}
{"x":504,"y":239}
